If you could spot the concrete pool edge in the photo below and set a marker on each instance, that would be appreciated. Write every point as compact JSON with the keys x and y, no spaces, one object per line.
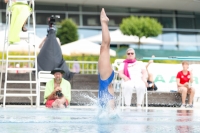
{"x":196,"y":107}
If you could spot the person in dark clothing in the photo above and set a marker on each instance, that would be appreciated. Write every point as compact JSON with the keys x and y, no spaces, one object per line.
{"x":50,"y":56}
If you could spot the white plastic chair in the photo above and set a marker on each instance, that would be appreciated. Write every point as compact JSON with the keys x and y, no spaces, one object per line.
{"x":134,"y":92}
{"x":43,"y":77}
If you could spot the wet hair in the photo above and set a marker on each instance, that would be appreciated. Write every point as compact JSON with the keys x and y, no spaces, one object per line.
{"x":185,"y":62}
{"x":130,"y":49}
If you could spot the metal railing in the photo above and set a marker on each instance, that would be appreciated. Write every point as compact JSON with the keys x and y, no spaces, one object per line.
{"x":85,"y":67}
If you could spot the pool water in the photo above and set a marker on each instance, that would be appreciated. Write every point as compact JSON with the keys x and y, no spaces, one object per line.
{"x":85,"y":120}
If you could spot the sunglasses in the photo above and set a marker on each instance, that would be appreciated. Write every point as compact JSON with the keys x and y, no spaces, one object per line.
{"x":130,"y":53}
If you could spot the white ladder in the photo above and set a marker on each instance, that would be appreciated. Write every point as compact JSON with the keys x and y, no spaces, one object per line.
{"x":31,"y":57}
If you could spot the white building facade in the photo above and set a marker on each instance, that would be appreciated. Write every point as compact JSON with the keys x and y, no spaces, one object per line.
{"x":180,"y":18}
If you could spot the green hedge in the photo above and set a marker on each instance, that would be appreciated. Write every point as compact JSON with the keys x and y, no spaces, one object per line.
{"x":85,"y":58}
{"x":90,"y":58}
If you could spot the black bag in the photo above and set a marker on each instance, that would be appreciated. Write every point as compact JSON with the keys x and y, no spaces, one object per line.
{"x":153,"y":87}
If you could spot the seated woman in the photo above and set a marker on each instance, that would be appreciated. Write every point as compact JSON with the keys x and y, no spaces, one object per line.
{"x":184,"y":80}
{"x":134,"y":76}
{"x":20,"y":12}
{"x":151,"y":85}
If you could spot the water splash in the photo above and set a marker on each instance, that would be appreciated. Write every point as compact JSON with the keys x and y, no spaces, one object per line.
{"x":103,"y":114}
{"x":92,"y":99}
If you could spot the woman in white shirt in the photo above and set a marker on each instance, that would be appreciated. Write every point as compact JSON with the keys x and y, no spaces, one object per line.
{"x":134,"y":76}
{"x":20,"y":12}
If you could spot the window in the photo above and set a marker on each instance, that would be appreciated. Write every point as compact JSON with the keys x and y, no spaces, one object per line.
{"x":2,"y":4}
{"x":3,"y":17}
{"x":157,"y":18}
{"x":198,"y":38}
{"x":41,"y":32}
{"x":149,"y":46}
{"x":31,"y":20}
{"x":42,"y":18}
{"x":187,"y":37}
{"x":197,"y":21}
{"x":87,"y":8}
{"x":167,"y":12}
{"x":91,"y":20}
{"x":167,"y":22}
{"x":169,"y":40}
{"x":187,"y":41}
{"x":71,"y":7}
{"x":169,"y":47}
{"x":115,"y":20}
{"x":146,"y":11}
{"x":115,"y":9}
{"x":169,"y":37}
{"x":84,"y":33}
{"x":50,"y":7}
{"x":75,"y":18}
{"x":184,"y":13}
{"x":185,"y":23}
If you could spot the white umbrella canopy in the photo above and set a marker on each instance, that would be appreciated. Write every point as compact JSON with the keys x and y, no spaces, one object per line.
{"x":22,"y":45}
{"x":83,"y":47}
{"x":118,"y":37}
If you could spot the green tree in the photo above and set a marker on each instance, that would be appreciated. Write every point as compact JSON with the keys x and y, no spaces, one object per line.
{"x":67,"y":31}
{"x":140,"y":26}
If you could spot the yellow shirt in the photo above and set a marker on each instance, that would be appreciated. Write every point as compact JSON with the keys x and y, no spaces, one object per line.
{"x":66,"y":89}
